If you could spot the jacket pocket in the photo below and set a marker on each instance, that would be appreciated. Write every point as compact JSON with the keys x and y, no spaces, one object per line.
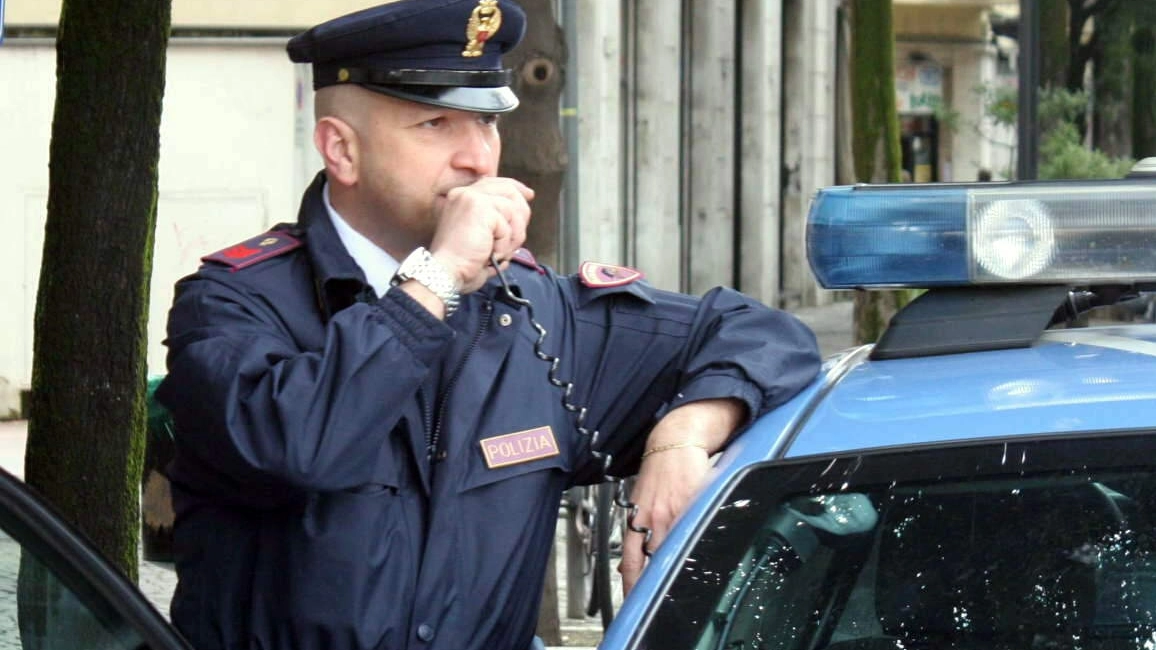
{"x":528,"y":456}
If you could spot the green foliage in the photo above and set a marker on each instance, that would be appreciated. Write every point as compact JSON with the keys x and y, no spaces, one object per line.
{"x":1062,"y":152}
{"x":1062,"y":155}
{"x":1060,"y":106}
{"x":1001,"y":104}
{"x":948,"y":118}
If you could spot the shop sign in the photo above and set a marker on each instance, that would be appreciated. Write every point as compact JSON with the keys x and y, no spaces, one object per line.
{"x":919,"y":87}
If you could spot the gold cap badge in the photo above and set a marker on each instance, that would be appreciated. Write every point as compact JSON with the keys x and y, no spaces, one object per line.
{"x":485,"y":21}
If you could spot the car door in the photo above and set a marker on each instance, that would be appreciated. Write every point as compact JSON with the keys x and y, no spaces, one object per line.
{"x":56,"y":591}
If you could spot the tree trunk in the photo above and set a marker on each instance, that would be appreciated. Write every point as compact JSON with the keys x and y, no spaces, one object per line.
{"x":1077,"y":50}
{"x":1112,"y":57}
{"x":876,"y":135}
{"x":1054,"y":53}
{"x":1143,"y":81}
{"x":875,"y":115}
{"x":534,"y":152}
{"x":85,"y":437}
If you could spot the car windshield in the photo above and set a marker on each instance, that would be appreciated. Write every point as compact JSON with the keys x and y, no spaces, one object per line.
{"x":1045,"y":545}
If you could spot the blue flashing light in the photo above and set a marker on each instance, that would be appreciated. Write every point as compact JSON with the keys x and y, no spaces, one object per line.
{"x":858,"y":236}
{"x":928,"y":235}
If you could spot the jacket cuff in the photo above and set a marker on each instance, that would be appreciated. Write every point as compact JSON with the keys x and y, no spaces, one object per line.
{"x":720,"y":386}
{"x":416,"y":328}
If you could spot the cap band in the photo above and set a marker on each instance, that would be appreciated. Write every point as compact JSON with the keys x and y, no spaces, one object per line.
{"x":499,"y":99}
{"x":327,"y":75}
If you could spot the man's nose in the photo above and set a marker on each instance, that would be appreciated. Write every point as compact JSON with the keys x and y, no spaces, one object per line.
{"x":477,"y":151}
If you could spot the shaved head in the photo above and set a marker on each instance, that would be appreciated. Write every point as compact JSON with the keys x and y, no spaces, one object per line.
{"x":348,"y":103}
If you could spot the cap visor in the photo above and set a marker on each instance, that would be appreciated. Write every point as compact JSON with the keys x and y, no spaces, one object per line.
{"x":464,"y":98}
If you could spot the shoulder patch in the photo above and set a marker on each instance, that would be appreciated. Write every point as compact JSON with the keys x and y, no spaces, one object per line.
{"x":257,"y":249}
{"x":526,"y":258}
{"x":600,"y":276}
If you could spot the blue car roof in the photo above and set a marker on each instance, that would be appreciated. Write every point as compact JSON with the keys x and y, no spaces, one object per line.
{"x":1069,"y":381}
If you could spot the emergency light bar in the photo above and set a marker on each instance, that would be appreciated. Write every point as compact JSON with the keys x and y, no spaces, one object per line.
{"x":949,"y":234}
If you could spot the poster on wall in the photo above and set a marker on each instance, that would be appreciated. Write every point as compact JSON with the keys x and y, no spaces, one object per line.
{"x":919,"y":87}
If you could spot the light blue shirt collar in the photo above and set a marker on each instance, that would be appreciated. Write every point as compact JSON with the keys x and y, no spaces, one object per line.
{"x":377,"y":265}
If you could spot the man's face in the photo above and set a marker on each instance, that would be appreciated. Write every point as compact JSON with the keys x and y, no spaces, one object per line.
{"x":412,"y":155}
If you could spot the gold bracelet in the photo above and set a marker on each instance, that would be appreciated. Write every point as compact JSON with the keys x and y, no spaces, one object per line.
{"x":675,"y":445}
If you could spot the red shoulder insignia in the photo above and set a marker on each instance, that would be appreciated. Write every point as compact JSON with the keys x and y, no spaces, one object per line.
{"x":257,"y":249}
{"x":601,"y":276}
{"x":526,"y":258}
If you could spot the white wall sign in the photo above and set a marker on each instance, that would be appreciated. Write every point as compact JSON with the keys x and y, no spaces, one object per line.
{"x":918,"y":87}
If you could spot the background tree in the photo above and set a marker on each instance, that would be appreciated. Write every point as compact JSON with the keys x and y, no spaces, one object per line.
{"x":875,"y":140}
{"x":1113,"y":41}
{"x":85,"y":434}
{"x":1144,"y":79}
{"x":534,"y":152}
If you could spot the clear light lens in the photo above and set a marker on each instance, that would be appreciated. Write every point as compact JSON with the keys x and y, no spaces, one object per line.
{"x":1074,"y":232}
{"x":1013,"y":239}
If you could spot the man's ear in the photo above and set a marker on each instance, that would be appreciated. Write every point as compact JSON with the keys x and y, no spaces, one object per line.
{"x":337,"y":143}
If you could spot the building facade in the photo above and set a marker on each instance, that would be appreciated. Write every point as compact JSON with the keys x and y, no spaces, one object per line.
{"x":697,"y":132}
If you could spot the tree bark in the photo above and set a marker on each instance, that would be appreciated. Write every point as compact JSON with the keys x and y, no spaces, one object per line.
{"x":1113,"y":58}
{"x":1054,"y":53}
{"x":85,"y":437}
{"x":875,"y":114}
{"x":534,"y":152}
{"x":876,"y":147}
{"x":1143,"y":81}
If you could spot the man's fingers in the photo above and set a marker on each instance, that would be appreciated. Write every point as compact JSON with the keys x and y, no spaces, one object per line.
{"x":505,"y":185}
{"x":632,"y":561}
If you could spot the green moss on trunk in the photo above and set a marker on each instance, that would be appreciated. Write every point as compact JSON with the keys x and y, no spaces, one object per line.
{"x":85,"y":438}
{"x":875,"y":143}
{"x":875,"y":114}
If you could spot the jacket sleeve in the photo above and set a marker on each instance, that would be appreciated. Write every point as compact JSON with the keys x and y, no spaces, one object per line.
{"x":257,"y":408}
{"x":641,"y":352}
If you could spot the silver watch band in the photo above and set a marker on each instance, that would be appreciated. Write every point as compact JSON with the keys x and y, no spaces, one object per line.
{"x":421,"y":267}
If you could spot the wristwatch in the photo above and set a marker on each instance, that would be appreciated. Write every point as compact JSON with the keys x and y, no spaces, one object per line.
{"x":421,"y":267}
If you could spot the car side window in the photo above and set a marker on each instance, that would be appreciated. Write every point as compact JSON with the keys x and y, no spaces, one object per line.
{"x":40,"y":611}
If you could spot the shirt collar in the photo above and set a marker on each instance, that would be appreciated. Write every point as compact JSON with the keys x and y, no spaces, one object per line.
{"x":379,"y":266}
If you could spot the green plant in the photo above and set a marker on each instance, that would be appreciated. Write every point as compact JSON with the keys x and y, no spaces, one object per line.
{"x":1062,"y":153}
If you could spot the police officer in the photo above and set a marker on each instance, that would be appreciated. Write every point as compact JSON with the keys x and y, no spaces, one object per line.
{"x":369,"y":451}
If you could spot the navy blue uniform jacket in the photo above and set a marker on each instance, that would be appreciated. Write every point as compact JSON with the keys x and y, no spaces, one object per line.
{"x":309,"y":514}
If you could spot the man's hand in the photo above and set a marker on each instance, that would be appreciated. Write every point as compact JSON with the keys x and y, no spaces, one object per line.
{"x":488,"y":217}
{"x":673,"y":470}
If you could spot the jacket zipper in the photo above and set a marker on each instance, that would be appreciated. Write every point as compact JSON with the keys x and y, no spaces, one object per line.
{"x":434,"y":427}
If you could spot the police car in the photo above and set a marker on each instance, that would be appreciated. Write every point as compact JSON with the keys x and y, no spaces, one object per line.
{"x":982,"y":478}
